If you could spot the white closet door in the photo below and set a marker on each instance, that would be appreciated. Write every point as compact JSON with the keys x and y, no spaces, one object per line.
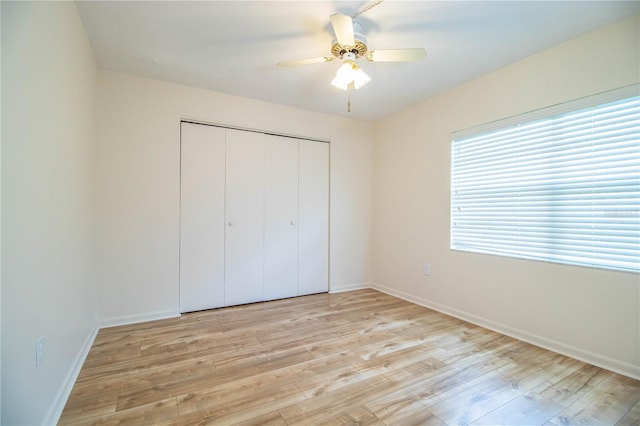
{"x":281,"y":218}
{"x":313,"y":264}
{"x":202,"y":176}
{"x":244,"y":242}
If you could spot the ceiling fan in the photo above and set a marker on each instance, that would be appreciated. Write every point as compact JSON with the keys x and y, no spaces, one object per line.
{"x":350,"y":45}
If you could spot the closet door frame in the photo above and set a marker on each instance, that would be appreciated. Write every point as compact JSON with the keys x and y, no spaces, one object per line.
{"x":275,"y":253}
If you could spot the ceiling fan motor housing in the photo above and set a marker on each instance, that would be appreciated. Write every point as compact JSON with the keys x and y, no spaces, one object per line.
{"x":359,"y":49}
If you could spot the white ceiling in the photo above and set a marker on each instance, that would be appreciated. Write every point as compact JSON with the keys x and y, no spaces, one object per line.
{"x":233,"y":46}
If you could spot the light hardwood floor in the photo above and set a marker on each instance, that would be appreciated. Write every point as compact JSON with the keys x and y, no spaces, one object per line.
{"x":361,"y":357}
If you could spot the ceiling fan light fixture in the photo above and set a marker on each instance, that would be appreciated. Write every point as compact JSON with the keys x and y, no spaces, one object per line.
{"x":360,"y":78}
{"x":349,"y":72}
{"x":343,"y":76}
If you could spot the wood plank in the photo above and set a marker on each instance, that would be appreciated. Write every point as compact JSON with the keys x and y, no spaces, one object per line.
{"x":528,"y":409}
{"x":607,"y":403}
{"x":631,"y":418}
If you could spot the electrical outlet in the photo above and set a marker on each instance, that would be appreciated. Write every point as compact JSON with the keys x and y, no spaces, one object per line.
{"x":426,"y":269}
{"x":39,"y":350}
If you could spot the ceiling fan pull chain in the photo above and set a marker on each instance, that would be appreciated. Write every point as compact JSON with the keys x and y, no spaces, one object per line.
{"x":349,"y":100}
{"x":367,"y":8}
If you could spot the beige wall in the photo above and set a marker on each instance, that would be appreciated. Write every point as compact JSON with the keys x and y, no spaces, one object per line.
{"x":589,"y":313}
{"x":48,"y":286}
{"x":137,"y":187}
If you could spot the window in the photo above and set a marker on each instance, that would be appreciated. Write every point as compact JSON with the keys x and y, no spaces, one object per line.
{"x":560,"y":184}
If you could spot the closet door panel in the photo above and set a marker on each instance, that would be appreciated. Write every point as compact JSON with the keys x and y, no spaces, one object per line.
{"x":313,"y":264}
{"x":281,"y":218}
{"x":244,"y":241}
{"x":202,"y":188}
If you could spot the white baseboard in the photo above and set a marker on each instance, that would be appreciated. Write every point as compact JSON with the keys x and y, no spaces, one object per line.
{"x":55,"y":411}
{"x":137,"y":318}
{"x":349,"y":287}
{"x":607,"y":363}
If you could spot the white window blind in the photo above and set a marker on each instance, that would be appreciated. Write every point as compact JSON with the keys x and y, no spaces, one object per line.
{"x":563,"y":188}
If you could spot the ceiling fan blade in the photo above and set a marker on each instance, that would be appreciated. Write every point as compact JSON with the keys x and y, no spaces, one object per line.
{"x":396,"y":55}
{"x":306,"y":61}
{"x":343,"y":28}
